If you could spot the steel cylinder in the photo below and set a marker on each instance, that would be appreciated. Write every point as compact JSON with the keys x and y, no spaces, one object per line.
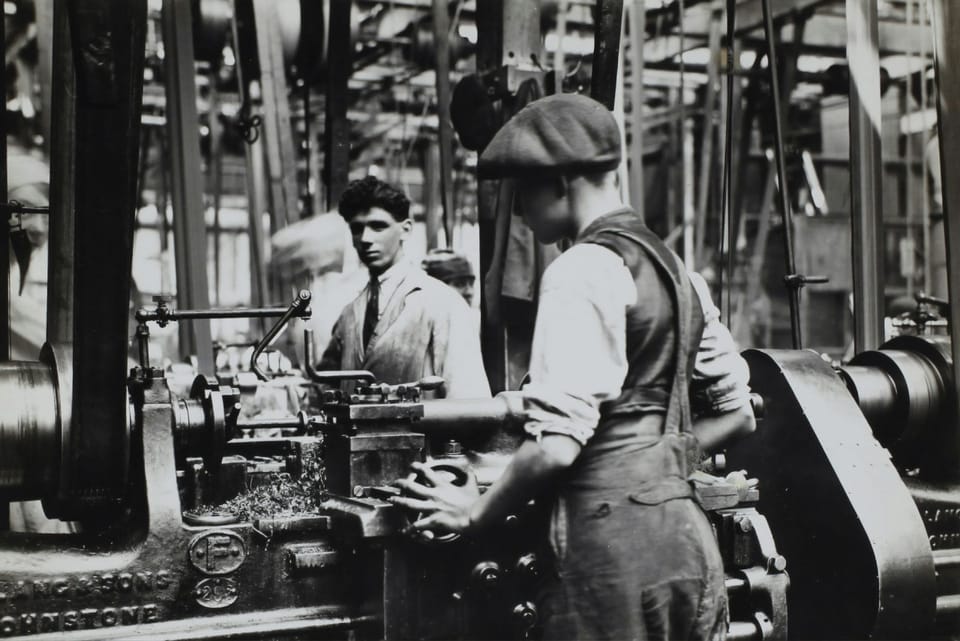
{"x":29,"y":433}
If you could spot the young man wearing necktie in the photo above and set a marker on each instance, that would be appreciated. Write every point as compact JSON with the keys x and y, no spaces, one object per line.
{"x":404,"y":325}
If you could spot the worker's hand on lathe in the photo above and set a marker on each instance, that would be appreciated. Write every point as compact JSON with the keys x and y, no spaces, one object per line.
{"x":443,"y":506}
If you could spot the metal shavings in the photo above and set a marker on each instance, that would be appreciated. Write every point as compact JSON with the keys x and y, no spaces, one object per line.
{"x":281,"y":496}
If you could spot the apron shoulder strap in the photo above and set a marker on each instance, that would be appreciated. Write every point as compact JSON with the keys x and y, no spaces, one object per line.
{"x":678,"y":417}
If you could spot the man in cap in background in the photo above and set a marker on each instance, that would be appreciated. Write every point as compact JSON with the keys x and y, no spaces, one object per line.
{"x":451,"y":268}
{"x":608,"y":407}
{"x":404,"y":325}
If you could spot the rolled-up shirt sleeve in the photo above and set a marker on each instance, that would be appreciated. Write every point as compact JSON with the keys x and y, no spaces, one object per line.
{"x":720,"y":380}
{"x":578,"y":356}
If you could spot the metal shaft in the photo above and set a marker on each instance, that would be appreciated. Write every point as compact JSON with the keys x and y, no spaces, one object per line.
{"x":791,"y":264}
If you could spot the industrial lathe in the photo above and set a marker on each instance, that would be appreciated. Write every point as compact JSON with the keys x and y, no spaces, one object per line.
{"x":167,"y":553}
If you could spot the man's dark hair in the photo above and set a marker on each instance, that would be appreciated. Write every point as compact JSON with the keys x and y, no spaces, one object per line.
{"x":366,"y":193}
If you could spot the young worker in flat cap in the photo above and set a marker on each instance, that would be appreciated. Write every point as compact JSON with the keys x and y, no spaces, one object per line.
{"x":404,"y":325}
{"x":608,"y":406}
{"x":453,"y":269}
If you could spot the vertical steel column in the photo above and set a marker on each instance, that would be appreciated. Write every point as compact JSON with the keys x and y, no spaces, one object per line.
{"x":189,"y":225}
{"x":707,"y":138}
{"x":946,"y":22}
{"x":608,"y":19}
{"x":108,"y":45}
{"x":441,"y":37}
{"x":247,"y":67}
{"x":793,"y":285}
{"x":431,"y":193}
{"x":638,"y":20}
{"x":4,"y":226}
{"x":62,"y":149}
{"x":336,"y":131}
{"x":865,"y":173}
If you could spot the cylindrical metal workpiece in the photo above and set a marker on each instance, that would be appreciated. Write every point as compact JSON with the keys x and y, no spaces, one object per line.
{"x":29,"y":440}
{"x":467,"y":416}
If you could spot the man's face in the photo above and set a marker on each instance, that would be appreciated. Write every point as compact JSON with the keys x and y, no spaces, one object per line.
{"x":378,"y":238}
{"x":544,"y":209}
{"x":463,"y":285}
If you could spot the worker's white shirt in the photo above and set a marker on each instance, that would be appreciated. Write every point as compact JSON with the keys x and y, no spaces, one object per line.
{"x":579,"y":351}
{"x":390,"y":280}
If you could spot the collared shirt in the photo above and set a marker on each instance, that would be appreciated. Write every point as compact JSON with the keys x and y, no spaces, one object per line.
{"x":390,"y":280}
{"x":579,"y":352}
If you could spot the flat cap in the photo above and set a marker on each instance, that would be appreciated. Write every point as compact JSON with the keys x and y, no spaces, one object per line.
{"x":446,"y":265}
{"x":556,"y":134}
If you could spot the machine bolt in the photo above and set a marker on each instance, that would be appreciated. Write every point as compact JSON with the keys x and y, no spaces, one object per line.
{"x":486,"y":575}
{"x":525,"y":614}
{"x":528,"y":566}
{"x":358,"y":491}
{"x":776,"y":564}
{"x":744,"y":525}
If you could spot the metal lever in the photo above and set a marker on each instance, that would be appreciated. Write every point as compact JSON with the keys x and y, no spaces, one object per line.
{"x":332,"y":376}
{"x":300,"y":307}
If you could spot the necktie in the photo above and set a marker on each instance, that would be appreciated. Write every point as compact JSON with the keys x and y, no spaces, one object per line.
{"x":373,"y":310}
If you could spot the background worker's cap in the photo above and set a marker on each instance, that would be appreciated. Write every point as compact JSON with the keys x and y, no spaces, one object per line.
{"x":446,"y":265}
{"x":558,"y":134}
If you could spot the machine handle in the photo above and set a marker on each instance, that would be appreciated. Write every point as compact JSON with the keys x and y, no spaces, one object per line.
{"x":331,"y":376}
{"x":459,"y":477}
{"x":300,"y":306}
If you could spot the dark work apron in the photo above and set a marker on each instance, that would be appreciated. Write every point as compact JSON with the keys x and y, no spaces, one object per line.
{"x":635,"y":556}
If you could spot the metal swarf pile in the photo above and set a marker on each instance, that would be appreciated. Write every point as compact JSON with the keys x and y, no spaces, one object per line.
{"x":279,"y":496}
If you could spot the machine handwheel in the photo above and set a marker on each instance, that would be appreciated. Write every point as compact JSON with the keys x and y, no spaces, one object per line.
{"x":458,"y":476}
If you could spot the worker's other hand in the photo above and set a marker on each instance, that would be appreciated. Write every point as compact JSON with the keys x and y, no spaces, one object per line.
{"x":441,"y":504}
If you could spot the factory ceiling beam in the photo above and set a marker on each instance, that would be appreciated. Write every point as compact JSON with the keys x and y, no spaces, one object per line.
{"x":186,"y":184}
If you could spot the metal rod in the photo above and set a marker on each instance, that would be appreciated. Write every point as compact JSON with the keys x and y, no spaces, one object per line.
{"x":15,"y":207}
{"x":728,"y":217}
{"x":333,"y":376}
{"x":292,"y":422}
{"x":298,"y":308}
{"x":866,"y":197}
{"x":441,"y":27}
{"x":173,"y":315}
{"x":793,"y":290}
{"x":637,"y":15}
